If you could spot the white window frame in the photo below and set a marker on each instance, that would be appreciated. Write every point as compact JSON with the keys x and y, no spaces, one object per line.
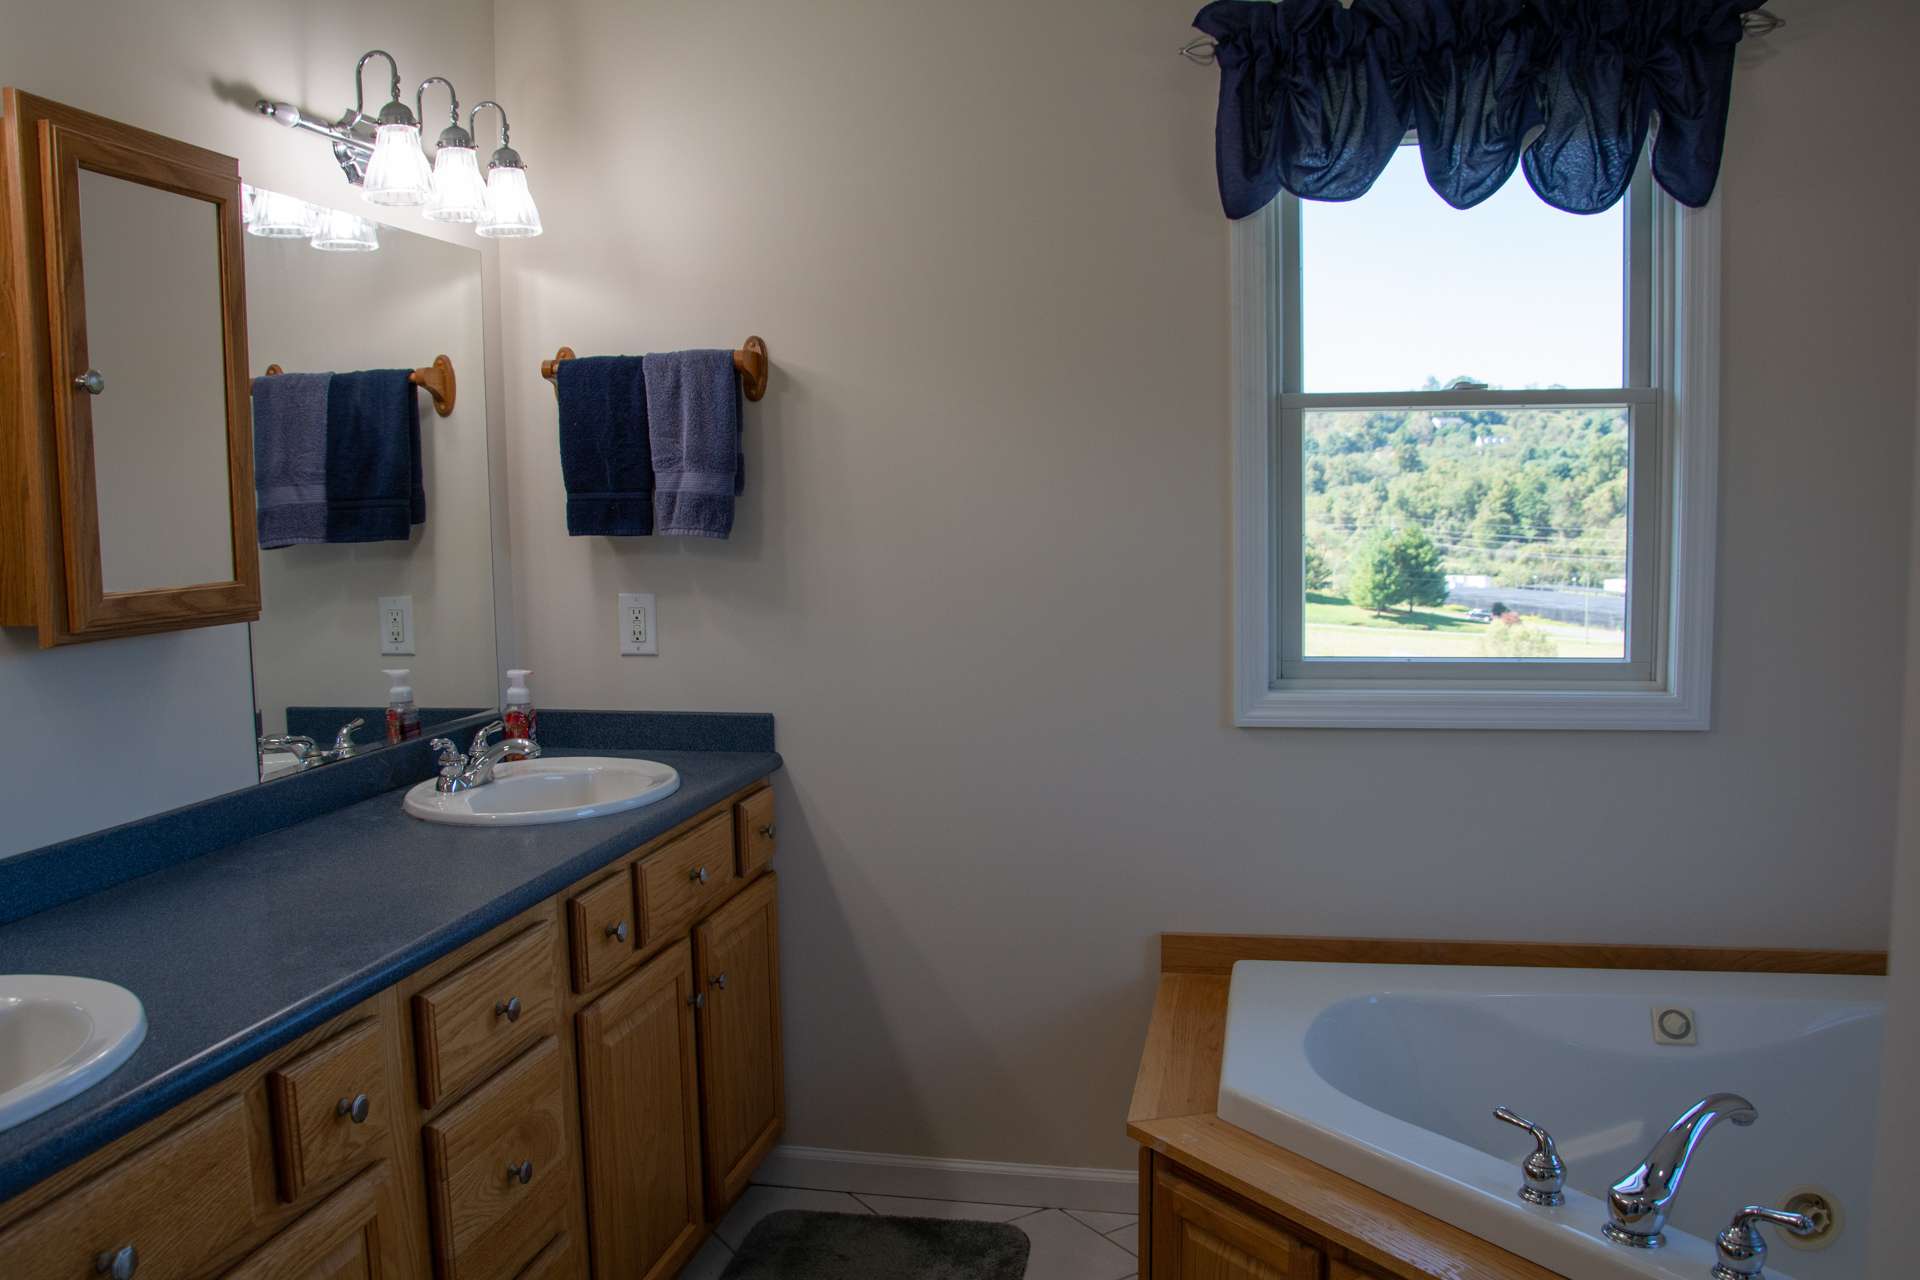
{"x":1675,"y":463}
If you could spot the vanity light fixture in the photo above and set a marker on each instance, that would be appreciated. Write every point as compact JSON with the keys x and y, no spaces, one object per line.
{"x":382,"y":156}
{"x":458,"y":193}
{"x":397,"y":172}
{"x":511,"y":213}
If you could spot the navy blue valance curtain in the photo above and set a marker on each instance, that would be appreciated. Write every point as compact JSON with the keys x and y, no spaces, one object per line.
{"x":1315,"y":96}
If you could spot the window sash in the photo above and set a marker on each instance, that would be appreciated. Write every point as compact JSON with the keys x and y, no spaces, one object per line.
{"x":1650,"y":508}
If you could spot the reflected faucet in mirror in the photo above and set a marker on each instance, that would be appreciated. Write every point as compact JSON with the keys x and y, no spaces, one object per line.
{"x":305,"y":751}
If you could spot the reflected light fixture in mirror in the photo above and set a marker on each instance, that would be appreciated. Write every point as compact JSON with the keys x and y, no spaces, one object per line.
{"x":511,"y":213}
{"x":337,"y":231}
{"x":276,"y":216}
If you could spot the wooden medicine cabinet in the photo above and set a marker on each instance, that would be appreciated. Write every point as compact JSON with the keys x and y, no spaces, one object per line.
{"x":125,"y":439}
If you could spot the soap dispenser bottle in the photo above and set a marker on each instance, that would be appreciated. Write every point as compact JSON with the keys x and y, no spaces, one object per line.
{"x":522,"y":721}
{"x":403,"y":717}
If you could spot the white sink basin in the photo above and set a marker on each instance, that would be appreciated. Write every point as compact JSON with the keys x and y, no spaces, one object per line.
{"x":562,"y":789}
{"x":58,"y":1036}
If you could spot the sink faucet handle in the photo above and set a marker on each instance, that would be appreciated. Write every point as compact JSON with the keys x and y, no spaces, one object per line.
{"x":1544,"y":1173}
{"x":481,"y":738}
{"x":1742,"y":1251}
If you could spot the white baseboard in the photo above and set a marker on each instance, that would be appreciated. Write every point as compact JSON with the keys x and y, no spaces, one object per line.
{"x":980,"y":1181}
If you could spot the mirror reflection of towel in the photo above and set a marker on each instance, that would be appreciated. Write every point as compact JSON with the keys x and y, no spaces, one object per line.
{"x":376,"y":491}
{"x":290,"y":458}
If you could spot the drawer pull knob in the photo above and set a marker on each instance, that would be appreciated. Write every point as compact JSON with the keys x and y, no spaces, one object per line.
{"x":718,"y":980}
{"x":767,"y":831}
{"x":119,"y":1264}
{"x":618,"y":932}
{"x":93,"y":383}
{"x":521,"y":1173}
{"x":508,"y":1009}
{"x":699,"y":874}
{"x":698,"y":999}
{"x":354,"y":1108}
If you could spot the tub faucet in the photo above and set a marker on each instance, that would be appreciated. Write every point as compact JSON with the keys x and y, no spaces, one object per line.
{"x":1638,"y":1204}
{"x":475,"y":768}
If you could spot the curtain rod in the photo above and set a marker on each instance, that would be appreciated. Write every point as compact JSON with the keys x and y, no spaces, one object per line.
{"x":1757,"y":22}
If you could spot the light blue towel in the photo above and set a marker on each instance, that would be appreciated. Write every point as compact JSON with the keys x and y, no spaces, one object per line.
{"x":693,"y":423}
{"x":290,"y":458}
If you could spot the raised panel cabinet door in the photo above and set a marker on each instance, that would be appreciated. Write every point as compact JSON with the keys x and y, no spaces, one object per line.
{"x":738,"y":996}
{"x":1197,"y":1235}
{"x":639,"y":1103}
{"x":357,"y":1233}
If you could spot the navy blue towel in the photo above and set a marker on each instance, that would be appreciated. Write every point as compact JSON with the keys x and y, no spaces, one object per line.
{"x":693,"y":411}
{"x":376,"y":490}
{"x":605,"y":458}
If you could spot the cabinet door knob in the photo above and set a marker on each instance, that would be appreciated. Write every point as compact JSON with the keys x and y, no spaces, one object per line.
{"x":508,"y":1009}
{"x":718,"y":980}
{"x":93,"y":382}
{"x":699,"y":874}
{"x":118,"y":1264}
{"x":698,"y":999}
{"x":767,"y":831}
{"x":618,"y":932}
{"x":521,"y":1173}
{"x":354,"y":1108}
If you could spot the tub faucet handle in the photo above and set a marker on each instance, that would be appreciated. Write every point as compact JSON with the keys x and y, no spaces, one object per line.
{"x":1544,"y":1173}
{"x":1742,"y":1252}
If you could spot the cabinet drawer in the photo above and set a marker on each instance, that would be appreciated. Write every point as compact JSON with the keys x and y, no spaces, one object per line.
{"x":178,"y":1203}
{"x":560,"y":1260}
{"x":499,"y":1169}
{"x":603,"y":931}
{"x":678,"y":883}
{"x":331,"y":1109}
{"x":357,"y":1233}
{"x":754,"y":831}
{"x":483,"y":1013}
{"x":1196,"y":1233}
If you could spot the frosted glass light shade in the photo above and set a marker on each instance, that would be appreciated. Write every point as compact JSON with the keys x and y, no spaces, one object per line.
{"x":279,"y":217}
{"x":397,"y":173}
{"x":458,"y":193}
{"x":338,"y":231}
{"x":510,"y":208}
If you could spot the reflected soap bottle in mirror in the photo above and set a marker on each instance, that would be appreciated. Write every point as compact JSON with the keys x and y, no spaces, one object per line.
{"x":403,"y":717}
{"x":520,"y":717}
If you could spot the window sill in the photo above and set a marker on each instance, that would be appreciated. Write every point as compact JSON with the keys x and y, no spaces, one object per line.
{"x":1349,"y":708}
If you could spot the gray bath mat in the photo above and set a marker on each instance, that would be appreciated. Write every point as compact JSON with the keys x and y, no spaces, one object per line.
{"x":807,"y":1244}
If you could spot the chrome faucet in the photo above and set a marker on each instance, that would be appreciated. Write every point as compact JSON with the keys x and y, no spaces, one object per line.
{"x":475,"y":768}
{"x":1638,"y":1204}
{"x":1740,"y":1249}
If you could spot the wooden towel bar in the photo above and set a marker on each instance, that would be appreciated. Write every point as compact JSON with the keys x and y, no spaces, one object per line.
{"x":750,"y":362}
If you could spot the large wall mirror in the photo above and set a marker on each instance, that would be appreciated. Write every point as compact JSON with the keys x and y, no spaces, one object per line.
{"x":324,"y":640}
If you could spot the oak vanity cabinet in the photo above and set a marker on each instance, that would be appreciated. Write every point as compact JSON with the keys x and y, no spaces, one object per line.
{"x":582,"y":1090}
{"x":124,"y":400}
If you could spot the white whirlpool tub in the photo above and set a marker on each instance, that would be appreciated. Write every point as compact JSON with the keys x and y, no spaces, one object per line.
{"x":1390,"y":1074}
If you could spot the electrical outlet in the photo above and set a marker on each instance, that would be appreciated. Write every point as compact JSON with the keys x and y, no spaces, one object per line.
{"x":639,"y":628}
{"x":396,"y":624}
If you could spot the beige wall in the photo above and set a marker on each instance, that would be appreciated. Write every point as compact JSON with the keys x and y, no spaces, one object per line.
{"x":316,"y":642}
{"x":981,"y":569}
{"x":190,"y":69}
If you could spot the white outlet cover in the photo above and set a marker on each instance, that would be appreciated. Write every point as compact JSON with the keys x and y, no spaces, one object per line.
{"x":639,"y":625}
{"x":396,"y":624}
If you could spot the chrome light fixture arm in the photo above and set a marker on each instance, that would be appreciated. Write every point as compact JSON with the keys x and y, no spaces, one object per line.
{"x":359,"y":89}
{"x":453,"y":135}
{"x":504,"y":156}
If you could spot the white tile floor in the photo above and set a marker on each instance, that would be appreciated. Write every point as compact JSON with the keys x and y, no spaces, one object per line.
{"x":1068,"y":1244}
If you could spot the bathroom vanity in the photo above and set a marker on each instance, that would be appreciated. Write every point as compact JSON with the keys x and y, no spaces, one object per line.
{"x":1321,"y":1055}
{"x":580,"y":1085}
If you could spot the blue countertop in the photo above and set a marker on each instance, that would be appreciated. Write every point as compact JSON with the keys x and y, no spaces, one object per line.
{"x":238,"y":951}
